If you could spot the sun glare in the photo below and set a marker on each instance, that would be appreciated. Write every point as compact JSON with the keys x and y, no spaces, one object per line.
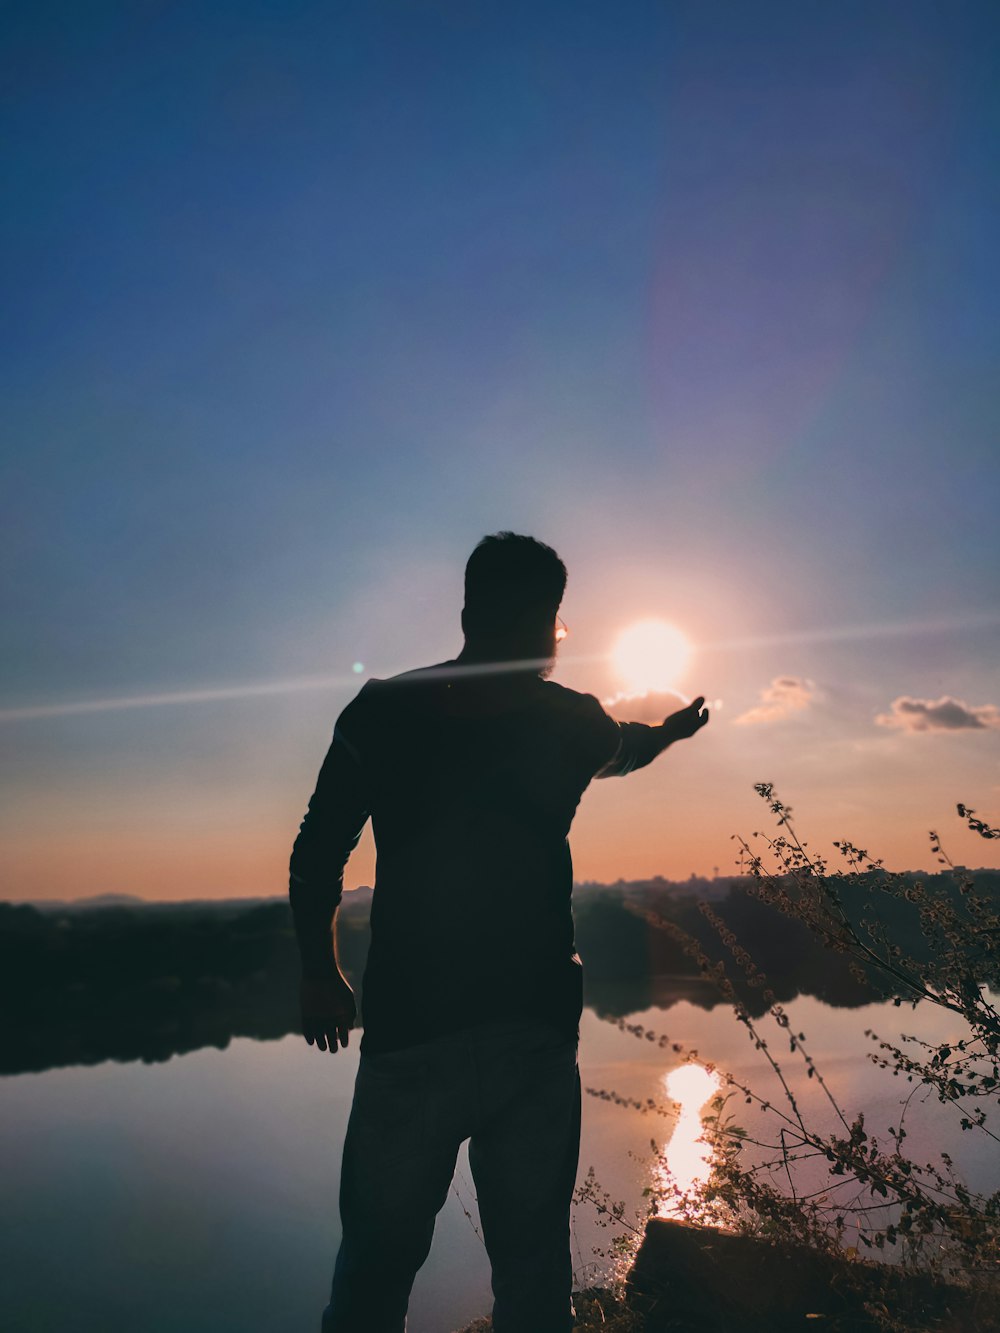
{"x":687,"y":1161}
{"x":650,"y":656}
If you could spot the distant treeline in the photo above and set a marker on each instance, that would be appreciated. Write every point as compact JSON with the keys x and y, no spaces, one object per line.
{"x":143,"y":982}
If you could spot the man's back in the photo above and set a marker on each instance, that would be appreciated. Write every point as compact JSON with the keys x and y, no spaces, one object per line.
{"x":471,"y":781}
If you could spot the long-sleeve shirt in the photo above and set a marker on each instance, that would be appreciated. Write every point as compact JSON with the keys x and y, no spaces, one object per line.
{"x":471,"y":783}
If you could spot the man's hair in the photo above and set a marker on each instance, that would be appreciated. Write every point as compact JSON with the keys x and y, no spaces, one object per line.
{"x":508,"y":578}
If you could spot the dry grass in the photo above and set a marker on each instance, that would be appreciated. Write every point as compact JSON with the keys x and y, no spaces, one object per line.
{"x":597,"y":1311}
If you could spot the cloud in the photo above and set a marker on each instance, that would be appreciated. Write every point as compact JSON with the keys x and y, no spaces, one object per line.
{"x":944,"y":714}
{"x":651,"y":707}
{"x":785,"y":695}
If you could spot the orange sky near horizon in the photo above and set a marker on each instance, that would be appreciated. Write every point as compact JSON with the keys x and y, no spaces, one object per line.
{"x":226,"y":831}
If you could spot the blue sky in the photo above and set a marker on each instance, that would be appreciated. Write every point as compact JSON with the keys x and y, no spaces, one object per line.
{"x":302,"y":299}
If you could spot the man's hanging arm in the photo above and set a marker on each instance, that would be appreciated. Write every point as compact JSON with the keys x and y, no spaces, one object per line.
{"x":328,"y":834}
{"x":640,"y":743}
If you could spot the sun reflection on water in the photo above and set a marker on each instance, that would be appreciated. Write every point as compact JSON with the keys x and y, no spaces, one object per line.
{"x":685,"y":1161}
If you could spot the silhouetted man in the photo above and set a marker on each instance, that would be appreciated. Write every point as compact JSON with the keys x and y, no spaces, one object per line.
{"x":471,"y":772}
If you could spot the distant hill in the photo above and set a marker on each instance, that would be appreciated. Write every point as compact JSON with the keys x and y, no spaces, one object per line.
{"x":657,"y":887}
{"x":95,"y":900}
{"x":352,"y":897}
{"x":696,"y":885}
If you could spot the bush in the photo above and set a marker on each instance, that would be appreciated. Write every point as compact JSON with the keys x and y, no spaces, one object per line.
{"x":916,"y":942}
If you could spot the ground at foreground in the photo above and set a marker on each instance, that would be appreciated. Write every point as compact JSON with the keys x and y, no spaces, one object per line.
{"x":596,"y":1308}
{"x":694,"y":1279}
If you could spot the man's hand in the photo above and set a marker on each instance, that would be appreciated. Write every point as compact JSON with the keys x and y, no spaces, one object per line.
{"x":328,"y":1010}
{"x":686,"y":721}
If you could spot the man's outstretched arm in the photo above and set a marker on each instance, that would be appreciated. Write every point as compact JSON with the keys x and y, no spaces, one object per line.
{"x":328,"y":834}
{"x":640,"y":743}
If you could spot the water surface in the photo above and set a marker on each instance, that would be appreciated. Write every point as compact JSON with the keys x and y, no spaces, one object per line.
{"x":200,"y":1194}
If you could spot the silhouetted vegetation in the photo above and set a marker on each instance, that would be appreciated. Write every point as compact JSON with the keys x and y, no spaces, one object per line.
{"x":634,"y":965}
{"x":824,"y":1180}
{"x":128,"y":980}
{"x":148,"y":982}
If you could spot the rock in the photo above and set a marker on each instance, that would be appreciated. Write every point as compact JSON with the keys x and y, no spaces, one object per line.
{"x":688,"y":1277}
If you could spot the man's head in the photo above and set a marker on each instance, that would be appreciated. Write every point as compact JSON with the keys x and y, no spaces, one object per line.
{"x":513,"y":588}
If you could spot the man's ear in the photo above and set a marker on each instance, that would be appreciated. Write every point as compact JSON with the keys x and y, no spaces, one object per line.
{"x":465,"y":630}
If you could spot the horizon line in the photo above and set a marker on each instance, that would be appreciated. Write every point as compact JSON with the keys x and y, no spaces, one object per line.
{"x":129,"y":899}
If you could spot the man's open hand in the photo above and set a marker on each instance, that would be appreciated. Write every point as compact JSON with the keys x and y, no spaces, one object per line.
{"x":328,"y":1010}
{"x":686,"y":721}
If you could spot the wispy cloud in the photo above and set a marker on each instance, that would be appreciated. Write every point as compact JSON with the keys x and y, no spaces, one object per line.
{"x":784,"y":696}
{"x":944,"y":714}
{"x":653,"y":706}
{"x":902,"y":629}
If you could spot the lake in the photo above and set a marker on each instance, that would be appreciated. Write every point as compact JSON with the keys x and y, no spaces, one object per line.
{"x":200,"y":1194}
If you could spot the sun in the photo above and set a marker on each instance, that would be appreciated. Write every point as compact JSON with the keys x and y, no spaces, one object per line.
{"x":650,"y":656}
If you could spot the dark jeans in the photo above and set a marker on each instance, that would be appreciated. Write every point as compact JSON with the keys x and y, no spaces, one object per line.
{"x":513,"y":1090}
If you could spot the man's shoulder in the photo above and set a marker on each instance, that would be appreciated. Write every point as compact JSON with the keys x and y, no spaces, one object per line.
{"x":572,"y":702}
{"x":427,"y":688}
{"x":382,"y":695}
{"x":590,"y":731}
{"x":582,"y":713}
